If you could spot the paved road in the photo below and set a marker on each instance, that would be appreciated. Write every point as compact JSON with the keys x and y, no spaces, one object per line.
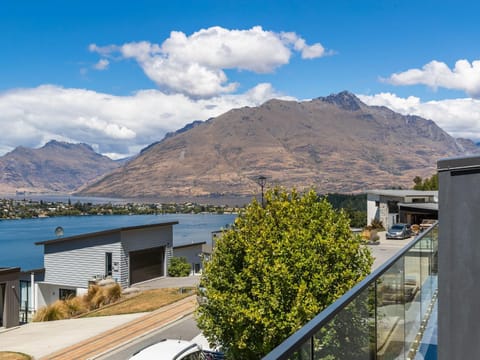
{"x":386,"y":249}
{"x":168,"y":282}
{"x":103,"y":343}
{"x":185,"y":329}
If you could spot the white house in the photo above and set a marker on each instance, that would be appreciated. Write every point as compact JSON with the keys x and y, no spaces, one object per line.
{"x":406,"y":206}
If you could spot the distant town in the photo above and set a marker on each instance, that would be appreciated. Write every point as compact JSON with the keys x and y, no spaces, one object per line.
{"x":27,"y":209}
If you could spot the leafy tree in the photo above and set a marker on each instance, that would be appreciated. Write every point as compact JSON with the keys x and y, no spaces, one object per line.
{"x":178,"y":267}
{"x":275,"y":269}
{"x":426,"y":184}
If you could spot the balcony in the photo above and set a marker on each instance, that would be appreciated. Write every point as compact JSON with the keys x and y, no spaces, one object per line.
{"x":391,"y":314}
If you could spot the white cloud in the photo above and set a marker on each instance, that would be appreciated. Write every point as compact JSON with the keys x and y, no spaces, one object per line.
{"x":459,"y":117}
{"x":102,"y":64}
{"x":194,"y":65}
{"x":115,"y":125}
{"x":465,"y":76}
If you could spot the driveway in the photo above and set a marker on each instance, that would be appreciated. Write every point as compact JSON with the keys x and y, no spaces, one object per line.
{"x":168,"y":282}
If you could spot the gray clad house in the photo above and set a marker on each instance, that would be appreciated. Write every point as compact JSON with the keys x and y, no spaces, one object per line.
{"x":128,"y":255}
{"x":9,"y":295}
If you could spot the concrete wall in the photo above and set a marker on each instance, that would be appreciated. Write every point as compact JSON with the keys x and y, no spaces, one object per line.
{"x":46,"y":294}
{"x":459,"y":259}
{"x":373,"y":211}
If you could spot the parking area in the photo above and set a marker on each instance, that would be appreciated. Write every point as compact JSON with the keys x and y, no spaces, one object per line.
{"x":386,"y":248}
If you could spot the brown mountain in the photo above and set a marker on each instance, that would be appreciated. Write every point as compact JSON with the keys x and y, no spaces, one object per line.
{"x":57,"y":166}
{"x":335,"y":144}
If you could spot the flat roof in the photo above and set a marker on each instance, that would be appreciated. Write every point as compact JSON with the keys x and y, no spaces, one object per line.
{"x":423,"y":206}
{"x":188,"y":245}
{"x":465,"y":162}
{"x":105,"y":232}
{"x":404,"y":193}
{"x":7,"y":270}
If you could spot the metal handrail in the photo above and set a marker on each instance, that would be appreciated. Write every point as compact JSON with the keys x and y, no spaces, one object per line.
{"x":290,"y":345}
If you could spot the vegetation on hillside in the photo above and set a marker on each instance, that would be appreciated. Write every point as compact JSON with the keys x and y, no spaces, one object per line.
{"x":275,"y":269}
{"x":427,"y":183}
{"x":355,"y":205}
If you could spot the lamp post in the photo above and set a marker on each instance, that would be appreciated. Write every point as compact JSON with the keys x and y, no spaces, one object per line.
{"x":261,"y":180}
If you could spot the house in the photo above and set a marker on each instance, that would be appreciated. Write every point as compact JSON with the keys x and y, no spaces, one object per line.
{"x":195,"y":254}
{"x":9,"y":294}
{"x":128,"y":255}
{"x":406,"y":206}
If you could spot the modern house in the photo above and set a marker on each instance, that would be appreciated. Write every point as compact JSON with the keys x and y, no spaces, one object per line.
{"x":405,"y":206}
{"x":128,"y":255}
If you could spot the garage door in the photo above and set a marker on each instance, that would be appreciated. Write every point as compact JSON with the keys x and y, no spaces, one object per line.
{"x":146,"y":264}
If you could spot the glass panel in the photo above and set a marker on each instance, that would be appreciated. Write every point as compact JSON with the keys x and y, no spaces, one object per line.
{"x":412,"y":296}
{"x":391,"y":313}
{"x":304,"y":353}
{"x":351,"y":333}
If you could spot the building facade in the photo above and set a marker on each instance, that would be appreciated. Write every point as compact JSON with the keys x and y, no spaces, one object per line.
{"x":406,"y":206}
{"x":128,"y":255}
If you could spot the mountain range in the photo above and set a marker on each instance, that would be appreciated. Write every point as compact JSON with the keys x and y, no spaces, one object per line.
{"x":333,"y":144}
{"x":55,"y":167}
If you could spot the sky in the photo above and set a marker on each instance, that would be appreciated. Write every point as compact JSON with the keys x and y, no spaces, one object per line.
{"x":118,"y":75}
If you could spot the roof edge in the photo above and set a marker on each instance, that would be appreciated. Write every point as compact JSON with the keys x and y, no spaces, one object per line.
{"x":105,"y":232}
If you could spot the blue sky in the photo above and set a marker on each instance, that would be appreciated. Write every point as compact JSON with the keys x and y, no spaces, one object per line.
{"x":112,"y":74}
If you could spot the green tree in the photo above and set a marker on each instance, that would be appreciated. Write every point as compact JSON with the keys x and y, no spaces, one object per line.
{"x":178,"y":267}
{"x":275,"y":269}
{"x":426,"y":184}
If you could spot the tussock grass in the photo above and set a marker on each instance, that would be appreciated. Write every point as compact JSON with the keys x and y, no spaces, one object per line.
{"x":10,"y":355}
{"x":148,"y":300}
{"x":55,"y":311}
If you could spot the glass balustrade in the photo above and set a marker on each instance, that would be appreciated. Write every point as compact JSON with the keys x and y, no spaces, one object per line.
{"x":383,"y":317}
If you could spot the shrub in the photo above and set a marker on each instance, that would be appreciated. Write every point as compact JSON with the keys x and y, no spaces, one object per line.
{"x":55,"y":311}
{"x":75,"y":306}
{"x":376,"y":225}
{"x":112,"y":293}
{"x":179,"y":267}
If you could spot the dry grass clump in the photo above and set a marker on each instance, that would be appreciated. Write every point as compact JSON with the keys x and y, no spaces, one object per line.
{"x":95,"y":298}
{"x":148,"y":300}
{"x":11,"y":355}
{"x":55,"y":311}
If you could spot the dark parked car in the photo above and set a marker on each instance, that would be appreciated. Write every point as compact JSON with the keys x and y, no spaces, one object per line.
{"x":399,"y":231}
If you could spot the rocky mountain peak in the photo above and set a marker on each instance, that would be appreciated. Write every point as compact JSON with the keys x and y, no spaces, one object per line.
{"x":344,"y":100}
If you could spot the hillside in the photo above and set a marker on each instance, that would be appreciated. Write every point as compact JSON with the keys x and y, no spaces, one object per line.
{"x":56,"y":167}
{"x":335,"y":144}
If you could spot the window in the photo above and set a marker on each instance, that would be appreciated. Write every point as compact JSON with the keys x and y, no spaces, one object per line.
{"x":64,"y":294}
{"x":108,"y":264}
{"x":196,"y":268}
{"x":377,"y":203}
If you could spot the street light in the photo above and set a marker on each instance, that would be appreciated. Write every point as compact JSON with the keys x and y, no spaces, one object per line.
{"x":261,"y":180}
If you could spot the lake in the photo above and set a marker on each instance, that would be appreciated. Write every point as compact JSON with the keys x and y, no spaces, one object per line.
{"x":17,"y":237}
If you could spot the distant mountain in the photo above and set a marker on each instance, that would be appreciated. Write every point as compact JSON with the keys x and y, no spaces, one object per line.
{"x":334,"y":144}
{"x":56,"y":167}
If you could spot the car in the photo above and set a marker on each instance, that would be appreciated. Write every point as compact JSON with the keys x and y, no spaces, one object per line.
{"x":170,"y":349}
{"x":399,"y":231}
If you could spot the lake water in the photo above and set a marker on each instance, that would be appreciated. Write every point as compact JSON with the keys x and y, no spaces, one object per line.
{"x":17,"y":237}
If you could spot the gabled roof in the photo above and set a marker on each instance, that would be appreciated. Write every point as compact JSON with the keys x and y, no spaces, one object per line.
{"x":105,"y":232}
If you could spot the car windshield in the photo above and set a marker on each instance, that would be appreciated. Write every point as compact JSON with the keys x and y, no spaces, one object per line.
{"x":396,"y":227}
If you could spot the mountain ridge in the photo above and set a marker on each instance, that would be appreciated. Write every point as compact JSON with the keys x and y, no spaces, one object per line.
{"x":334,"y":144}
{"x":55,"y":167}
